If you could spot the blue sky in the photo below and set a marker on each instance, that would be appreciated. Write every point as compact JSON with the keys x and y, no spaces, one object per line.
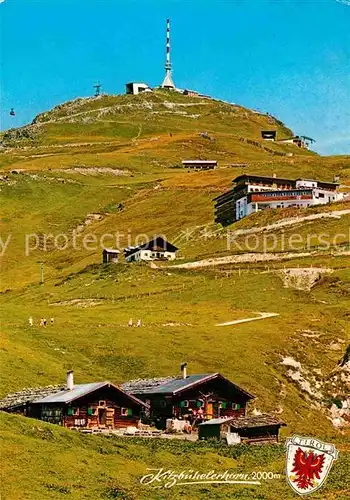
{"x":290,"y":58}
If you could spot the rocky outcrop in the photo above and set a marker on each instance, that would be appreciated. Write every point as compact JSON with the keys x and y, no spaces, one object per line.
{"x":302,"y":278}
{"x":18,"y":136}
{"x":330,"y":393}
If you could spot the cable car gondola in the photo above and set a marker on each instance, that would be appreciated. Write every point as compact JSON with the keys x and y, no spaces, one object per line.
{"x":12,"y":112}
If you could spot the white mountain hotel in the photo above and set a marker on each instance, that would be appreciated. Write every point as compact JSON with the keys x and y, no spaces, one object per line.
{"x":253,"y":193}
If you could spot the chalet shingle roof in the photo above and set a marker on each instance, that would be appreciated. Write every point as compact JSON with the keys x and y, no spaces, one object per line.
{"x":68,"y":395}
{"x":56,"y":394}
{"x":174,"y":385}
{"x":246,"y":422}
{"x":28,"y":395}
{"x":255,"y":421}
{"x":156,"y":244}
{"x":166,"y":385}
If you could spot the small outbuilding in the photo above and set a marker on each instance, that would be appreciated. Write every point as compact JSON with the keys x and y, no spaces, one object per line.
{"x":257,"y":429}
{"x":110,"y":255}
{"x":136,"y":88}
{"x":199,"y":164}
{"x":216,"y":428}
{"x":269,"y":135}
{"x":302,"y":141}
{"x":191,"y":93}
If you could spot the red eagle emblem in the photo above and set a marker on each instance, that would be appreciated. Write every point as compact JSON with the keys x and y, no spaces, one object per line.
{"x":307,"y":466}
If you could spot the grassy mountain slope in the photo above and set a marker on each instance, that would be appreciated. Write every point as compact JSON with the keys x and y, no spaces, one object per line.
{"x":51,"y":463}
{"x":142,"y":133}
{"x":71,"y":170}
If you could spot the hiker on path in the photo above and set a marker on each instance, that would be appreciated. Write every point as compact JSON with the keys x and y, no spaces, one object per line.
{"x":30,"y":321}
{"x":44,"y":321}
{"x":52,"y":321}
{"x":139,"y":323}
{"x":130,"y":322}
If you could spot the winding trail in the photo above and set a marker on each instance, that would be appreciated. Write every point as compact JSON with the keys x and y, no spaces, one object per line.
{"x":246,"y":320}
{"x":252,"y":257}
{"x":335,"y":214}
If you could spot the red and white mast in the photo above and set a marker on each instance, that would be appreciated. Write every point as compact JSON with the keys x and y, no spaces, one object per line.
{"x":168,"y":81}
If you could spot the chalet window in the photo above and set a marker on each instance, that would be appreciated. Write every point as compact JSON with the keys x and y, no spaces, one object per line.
{"x":73,"y":411}
{"x":79,"y":422}
{"x":200,"y":403}
{"x":236,"y":406}
{"x":223,"y":405}
{"x":126,"y":412}
{"x":91,"y":411}
{"x":102,"y":403}
{"x":184,"y":404}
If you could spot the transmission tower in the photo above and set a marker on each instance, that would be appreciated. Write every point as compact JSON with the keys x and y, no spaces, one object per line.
{"x":97,"y":88}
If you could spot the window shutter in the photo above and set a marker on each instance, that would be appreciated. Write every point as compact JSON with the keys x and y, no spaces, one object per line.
{"x":129,"y":412}
{"x":199,"y":404}
{"x":224,"y":405}
{"x":70,"y":411}
{"x":90,"y":411}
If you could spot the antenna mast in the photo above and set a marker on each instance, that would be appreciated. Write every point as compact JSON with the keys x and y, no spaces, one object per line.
{"x":168,"y":81}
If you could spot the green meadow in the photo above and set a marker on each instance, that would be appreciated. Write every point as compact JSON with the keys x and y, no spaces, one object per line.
{"x":105,"y":172}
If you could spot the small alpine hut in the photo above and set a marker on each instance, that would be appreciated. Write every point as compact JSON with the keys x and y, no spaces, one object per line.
{"x":194,"y":397}
{"x":257,"y":429}
{"x":98,"y":405}
{"x":199,"y":164}
{"x":136,"y":88}
{"x":156,"y":249}
{"x":110,"y":255}
{"x":302,"y":141}
{"x":268,"y":135}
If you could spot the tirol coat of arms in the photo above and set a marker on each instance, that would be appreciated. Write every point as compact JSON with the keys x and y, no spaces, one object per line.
{"x":309,"y":461}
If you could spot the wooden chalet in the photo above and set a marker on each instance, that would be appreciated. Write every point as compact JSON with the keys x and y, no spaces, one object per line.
{"x":98,"y":405}
{"x":202,"y":397}
{"x":156,"y":249}
{"x":249,"y":430}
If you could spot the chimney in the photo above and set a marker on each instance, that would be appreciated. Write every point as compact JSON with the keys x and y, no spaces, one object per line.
{"x":70,"y":380}
{"x":184,"y":370}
